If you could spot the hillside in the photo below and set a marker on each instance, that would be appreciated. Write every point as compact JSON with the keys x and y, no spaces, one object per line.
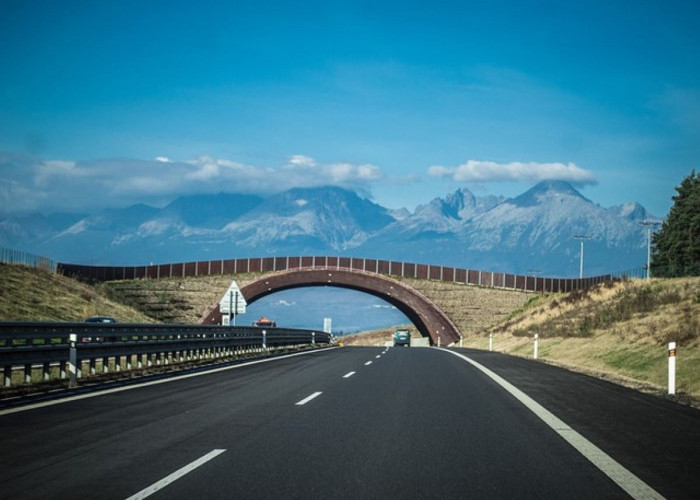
{"x":29,"y":294}
{"x":619,"y":330}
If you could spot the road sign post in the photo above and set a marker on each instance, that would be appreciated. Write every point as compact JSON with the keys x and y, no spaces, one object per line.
{"x":232,"y":304}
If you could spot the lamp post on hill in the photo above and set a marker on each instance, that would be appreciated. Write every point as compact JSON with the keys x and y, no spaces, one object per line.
{"x":649,"y":224}
{"x":581,"y":237}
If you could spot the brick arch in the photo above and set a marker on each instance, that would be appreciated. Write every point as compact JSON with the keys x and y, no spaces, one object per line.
{"x":425,"y":315}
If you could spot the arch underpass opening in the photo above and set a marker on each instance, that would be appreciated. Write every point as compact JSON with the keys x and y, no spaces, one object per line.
{"x":426,"y":316}
{"x":351,"y":311}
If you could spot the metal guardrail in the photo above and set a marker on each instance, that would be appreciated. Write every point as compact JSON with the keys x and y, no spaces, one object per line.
{"x":26,"y":345}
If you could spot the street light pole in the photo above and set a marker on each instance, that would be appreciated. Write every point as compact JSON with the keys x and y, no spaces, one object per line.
{"x":581,"y":238}
{"x":649,"y":224}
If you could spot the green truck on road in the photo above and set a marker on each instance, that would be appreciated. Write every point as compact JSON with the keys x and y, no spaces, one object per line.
{"x":402,"y":337}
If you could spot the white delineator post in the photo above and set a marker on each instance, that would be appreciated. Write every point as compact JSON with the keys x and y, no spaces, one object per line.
{"x":490,"y":341}
{"x":534,"y":354}
{"x":73,"y":361}
{"x":671,"y":368}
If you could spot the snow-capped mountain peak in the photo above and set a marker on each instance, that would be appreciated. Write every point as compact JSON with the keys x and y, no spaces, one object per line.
{"x":532,"y":231}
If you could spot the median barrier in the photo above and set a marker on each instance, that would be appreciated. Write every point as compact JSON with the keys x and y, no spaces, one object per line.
{"x":67,"y":347}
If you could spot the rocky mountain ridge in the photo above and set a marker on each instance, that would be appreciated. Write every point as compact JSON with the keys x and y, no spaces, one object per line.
{"x":531,"y":233}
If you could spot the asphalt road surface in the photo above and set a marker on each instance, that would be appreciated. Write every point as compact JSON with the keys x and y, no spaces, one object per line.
{"x":355,"y":423}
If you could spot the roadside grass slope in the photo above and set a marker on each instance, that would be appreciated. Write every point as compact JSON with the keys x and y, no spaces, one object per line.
{"x":172,"y":300}
{"x":31,"y":294}
{"x":617,"y":330}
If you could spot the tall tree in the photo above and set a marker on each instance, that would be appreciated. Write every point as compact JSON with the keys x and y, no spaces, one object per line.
{"x":676,"y":247}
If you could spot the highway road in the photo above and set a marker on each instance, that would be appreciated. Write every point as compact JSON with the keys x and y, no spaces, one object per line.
{"x":357,"y":423}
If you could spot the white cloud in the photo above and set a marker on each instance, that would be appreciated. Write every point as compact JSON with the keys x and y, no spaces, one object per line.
{"x":488,"y":171}
{"x":29,"y":183}
{"x":302,"y":161}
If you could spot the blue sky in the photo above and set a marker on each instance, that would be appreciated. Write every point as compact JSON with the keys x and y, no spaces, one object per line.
{"x":115,"y":102}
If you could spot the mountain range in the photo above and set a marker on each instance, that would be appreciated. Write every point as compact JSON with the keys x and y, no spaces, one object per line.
{"x":531,"y":233}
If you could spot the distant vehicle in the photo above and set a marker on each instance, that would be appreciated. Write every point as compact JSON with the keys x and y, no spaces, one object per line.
{"x":100,"y":319}
{"x":265,"y":323}
{"x":402,"y":337}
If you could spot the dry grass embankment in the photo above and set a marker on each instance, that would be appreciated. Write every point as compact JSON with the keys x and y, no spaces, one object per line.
{"x":29,"y":294}
{"x":473,"y":309}
{"x":173,"y":300}
{"x":617,"y":330}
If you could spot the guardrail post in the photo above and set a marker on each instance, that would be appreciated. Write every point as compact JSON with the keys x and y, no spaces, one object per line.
{"x":105,"y":364}
{"x":46,"y":371}
{"x":93,"y":366}
{"x":7,"y":376}
{"x":73,"y":361}
{"x":28,"y":373}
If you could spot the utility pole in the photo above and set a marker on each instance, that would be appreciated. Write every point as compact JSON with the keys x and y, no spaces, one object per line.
{"x":649,"y":224}
{"x":581,"y":237}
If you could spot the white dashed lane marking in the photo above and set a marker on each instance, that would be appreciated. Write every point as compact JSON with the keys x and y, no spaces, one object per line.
{"x":348,"y":375}
{"x":147,"y":492}
{"x":308,"y":398}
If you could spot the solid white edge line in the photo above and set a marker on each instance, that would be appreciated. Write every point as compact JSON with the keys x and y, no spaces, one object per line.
{"x":631,"y":484}
{"x":153,"y":382}
{"x":308,"y":398}
{"x":150,"y":490}
{"x":349,"y":374}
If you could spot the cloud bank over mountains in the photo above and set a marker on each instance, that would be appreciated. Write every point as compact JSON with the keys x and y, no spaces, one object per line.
{"x":29,"y":183}
{"x":32,"y":184}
